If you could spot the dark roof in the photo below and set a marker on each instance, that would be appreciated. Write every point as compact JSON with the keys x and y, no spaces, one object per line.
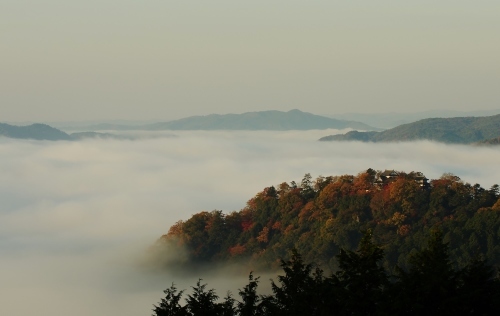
{"x":389,"y":173}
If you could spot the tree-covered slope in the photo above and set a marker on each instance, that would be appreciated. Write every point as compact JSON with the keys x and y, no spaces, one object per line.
{"x":322,"y":216}
{"x":429,"y":286}
{"x":264,"y":120}
{"x":388,"y":120}
{"x":463,"y":130}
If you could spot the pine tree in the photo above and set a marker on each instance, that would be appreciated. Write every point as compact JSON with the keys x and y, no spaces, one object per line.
{"x":430,"y":285}
{"x":360,"y":280}
{"x":169,"y":306}
{"x":203,"y":302}
{"x":250,"y":299}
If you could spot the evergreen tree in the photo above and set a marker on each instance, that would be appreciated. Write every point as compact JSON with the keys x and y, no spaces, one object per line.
{"x":227,"y":306}
{"x":169,"y":306}
{"x":361,"y":280}
{"x":296,"y":292}
{"x":203,"y":302}
{"x":478,"y":291}
{"x":249,"y":298}
{"x":429,"y":287}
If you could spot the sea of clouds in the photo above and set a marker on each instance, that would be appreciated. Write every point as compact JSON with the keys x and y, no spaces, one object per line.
{"x":77,"y":217}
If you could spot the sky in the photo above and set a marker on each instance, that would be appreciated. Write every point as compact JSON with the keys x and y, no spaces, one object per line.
{"x":78,"y":218}
{"x":161,"y":59}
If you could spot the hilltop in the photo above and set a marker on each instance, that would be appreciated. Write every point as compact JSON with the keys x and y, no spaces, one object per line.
{"x":33,"y":131}
{"x":388,"y":120}
{"x":252,"y":121}
{"x":39,"y":131}
{"x":264,"y":120}
{"x":320,"y":217}
{"x":460,"y":130}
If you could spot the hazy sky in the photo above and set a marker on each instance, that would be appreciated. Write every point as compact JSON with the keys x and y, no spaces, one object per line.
{"x":161,"y":59}
{"x":75,"y":217}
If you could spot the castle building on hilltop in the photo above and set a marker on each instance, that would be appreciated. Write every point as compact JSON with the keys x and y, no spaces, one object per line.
{"x":390,"y":175}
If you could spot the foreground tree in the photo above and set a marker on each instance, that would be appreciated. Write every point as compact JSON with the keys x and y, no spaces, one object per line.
{"x":249,"y":305}
{"x":296,"y":292}
{"x":361,"y":281}
{"x":203,"y":302}
{"x":430,"y":286}
{"x":170,"y":306}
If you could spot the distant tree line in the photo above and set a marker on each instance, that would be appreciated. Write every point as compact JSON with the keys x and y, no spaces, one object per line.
{"x":429,"y":286}
{"x":321,"y":216}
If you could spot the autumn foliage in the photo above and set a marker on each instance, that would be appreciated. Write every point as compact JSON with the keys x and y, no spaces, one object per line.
{"x":319,"y":217}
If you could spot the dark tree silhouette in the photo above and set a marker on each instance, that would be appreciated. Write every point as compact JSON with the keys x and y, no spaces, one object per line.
{"x":203,"y":302}
{"x":249,"y":298}
{"x":361,"y":280}
{"x":170,"y":306}
{"x":430,"y":286}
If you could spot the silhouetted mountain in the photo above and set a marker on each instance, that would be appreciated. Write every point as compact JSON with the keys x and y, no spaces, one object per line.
{"x":45,"y":132}
{"x":461,"y":130}
{"x":33,"y":131}
{"x":392,"y":119}
{"x":264,"y":120}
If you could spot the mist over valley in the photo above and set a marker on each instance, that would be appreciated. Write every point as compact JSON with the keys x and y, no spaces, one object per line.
{"x":122,"y":119}
{"x":77,"y":217}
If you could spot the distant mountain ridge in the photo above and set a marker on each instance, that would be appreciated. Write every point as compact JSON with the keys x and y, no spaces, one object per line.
{"x":264,"y":120}
{"x":39,"y":131}
{"x":460,"y":130}
{"x":252,"y":121}
{"x":393,"y":119}
{"x":34,"y":131}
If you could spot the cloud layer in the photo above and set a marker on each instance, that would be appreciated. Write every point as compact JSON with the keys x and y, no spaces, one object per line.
{"x":76,"y":217}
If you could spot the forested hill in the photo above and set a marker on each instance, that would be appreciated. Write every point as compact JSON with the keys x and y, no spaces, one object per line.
{"x":39,"y":131}
{"x":264,"y":120}
{"x":320,"y":217}
{"x":462,"y":130}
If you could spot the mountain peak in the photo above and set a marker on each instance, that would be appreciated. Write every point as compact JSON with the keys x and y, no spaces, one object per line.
{"x":261,"y":120}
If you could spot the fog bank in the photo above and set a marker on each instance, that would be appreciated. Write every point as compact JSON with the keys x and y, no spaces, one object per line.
{"x":76,"y":217}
